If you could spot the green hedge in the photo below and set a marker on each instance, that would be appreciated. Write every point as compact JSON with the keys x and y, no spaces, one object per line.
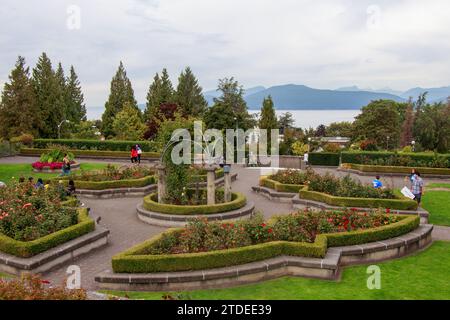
{"x":138,"y":259}
{"x":91,"y":153}
{"x":135,"y":260}
{"x":151,"y":204}
{"x":398,"y":204}
{"x":103,"y":185}
{"x":393,"y":169}
{"x":407,"y":224}
{"x":278,"y":186}
{"x":324,"y":159}
{"x":31,"y":248}
{"x":355,"y":157}
{"x":107,"y":145}
{"x":70,"y":202}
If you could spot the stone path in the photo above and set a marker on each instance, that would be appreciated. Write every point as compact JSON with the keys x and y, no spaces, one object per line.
{"x":119,"y":216}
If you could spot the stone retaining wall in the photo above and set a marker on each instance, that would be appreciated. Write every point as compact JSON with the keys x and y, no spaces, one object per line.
{"x":53,"y":258}
{"x":326,"y":268}
{"x":272,"y":194}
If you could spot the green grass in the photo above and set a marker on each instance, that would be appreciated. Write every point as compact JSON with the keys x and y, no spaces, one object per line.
{"x":437,"y":203}
{"x":438,"y":185}
{"x":5,"y":276}
{"x":421,"y":276}
{"x":10,"y":171}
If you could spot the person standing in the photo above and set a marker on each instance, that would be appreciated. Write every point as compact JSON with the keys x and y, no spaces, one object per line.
{"x":39,"y":184}
{"x":139,"y":153}
{"x":66,"y":165}
{"x":417,"y":187}
{"x":134,"y":154}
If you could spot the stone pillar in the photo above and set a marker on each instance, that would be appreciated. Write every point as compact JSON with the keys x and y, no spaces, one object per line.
{"x":161,"y":182}
{"x":211,"y":184}
{"x":227,"y":183}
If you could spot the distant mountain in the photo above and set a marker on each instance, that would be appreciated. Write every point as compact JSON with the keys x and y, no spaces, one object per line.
{"x":382,"y":90}
{"x":434,"y":94}
{"x":211,"y":94}
{"x":298,"y":97}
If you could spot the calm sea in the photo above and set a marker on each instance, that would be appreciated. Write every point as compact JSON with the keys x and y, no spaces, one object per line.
{"x":303,"y":118}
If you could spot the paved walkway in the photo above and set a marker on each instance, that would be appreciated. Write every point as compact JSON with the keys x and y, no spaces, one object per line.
{"x":119,"y":216}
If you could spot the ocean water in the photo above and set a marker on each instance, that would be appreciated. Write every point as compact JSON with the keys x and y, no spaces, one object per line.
{"x":303,"y":118}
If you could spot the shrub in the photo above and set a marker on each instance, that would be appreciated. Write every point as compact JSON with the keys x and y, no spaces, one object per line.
{"x":332,"y":147}
{"x":92,"y":153}
{"x":56,"y":154}
{"x":291,"y":176}
{"x":346,"y":187}
{"x":299,"y":148}
{"x":368,"y":145}
{"x":238,"y":201}
{"x":396,"y":159}
{"x":25,"y":139}
{"x":31,"y":287}
{"x":107,"y":145}
{"x":27,"y":213}
{"x":113,"y":173}
{"x":395,"y":169}
{"x":324,"y":159}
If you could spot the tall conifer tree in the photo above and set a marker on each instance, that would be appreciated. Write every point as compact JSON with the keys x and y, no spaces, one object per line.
{"x":76,"y":109}
{"x":18,"y":109}
{"x":189,"y":96}
{"x":121,"y":93}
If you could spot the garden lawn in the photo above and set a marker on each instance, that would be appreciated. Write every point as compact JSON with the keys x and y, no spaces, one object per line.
{"x":437,"y":203}
{"x":438,"y":185}
{"x":421,"y":276}
{"x":10,"y":171}
{"x":5,"y":276}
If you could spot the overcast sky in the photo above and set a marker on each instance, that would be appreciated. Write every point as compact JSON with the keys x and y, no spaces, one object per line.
{"x":322,"y":44}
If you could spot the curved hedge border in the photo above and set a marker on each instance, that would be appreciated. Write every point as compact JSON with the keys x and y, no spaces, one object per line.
{"x":31,"y":248}
{"x":265,"y":181}
{"x":238,"y":201}
{"x":399,"y":204}
{"x":91,"y":153}
{"x":107,"y":145}
{"x":354,"y":156}
{"x":103,"y":185}
{"x":70,"y":202}
{"x":394,"y":169}
{"x":137,"y":259}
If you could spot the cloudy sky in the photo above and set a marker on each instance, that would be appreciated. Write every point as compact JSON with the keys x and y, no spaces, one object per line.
{"x":323,"y":44}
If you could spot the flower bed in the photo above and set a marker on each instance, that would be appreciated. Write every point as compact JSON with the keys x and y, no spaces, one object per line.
{"x":394,"y":169}
{"x":34,"y":220}
{"x":238,"y":201}
{"x":52,"y":166}
{"x":92,"y":153}
{"x":112,"y":177}
{"x":204,"y":245}
{"x":286,"y":180}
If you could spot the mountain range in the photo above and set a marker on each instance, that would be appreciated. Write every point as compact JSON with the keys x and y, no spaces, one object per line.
{"x":300,"y":97}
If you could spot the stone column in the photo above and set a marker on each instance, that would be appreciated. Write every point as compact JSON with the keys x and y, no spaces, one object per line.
{"x":211,"y":184}
{"x":161,"y":182}
{"x":227,"y":183}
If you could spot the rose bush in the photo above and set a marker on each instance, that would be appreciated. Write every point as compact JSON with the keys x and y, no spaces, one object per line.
{"x":27,"y":213}
{"x":303,"y":226}
{"x":290,"y":176}
{"x":113,"y":173}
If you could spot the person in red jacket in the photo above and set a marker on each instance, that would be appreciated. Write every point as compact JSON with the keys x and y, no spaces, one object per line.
{"x":134,"y":155}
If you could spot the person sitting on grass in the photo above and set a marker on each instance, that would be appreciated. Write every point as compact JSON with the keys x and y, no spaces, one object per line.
{"x":2,"y":184}
{"x":47,"y":184}
{"x":70,"y":191}
{"x":39,"y":184}
{"x":21,"y":180}
{"x":377,"y":184}
{"x":31,"y":181}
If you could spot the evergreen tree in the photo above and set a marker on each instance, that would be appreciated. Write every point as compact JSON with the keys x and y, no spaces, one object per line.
{"x":121,"y":93}
{"x":407,"y":127}
{"x":167,"y":91}
{"x":18,"y":109}
{"x":128,"y":124}
{"x":268,"y":119}
{"x":49,"y":99}
{"x":76,"y":109}
{"x":232,"y":97}
{"x":189,"y":96}
{"x":154,"y":99}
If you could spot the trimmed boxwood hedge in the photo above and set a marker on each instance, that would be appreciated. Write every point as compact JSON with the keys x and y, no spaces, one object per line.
{"x":108,"y":145}
{"x":355,"y":156}
{"x":278,"y":186}
{"x":91,"y":153}
{"x":238,"y":200}
{"x":324,"y":159}
{"x":26,"y":249}
{"x":394,"y":169}
{"x":70,"y":202}
{"x":398,"y":204}
{"x":103,"y":185}
{"x":137,"y":259}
